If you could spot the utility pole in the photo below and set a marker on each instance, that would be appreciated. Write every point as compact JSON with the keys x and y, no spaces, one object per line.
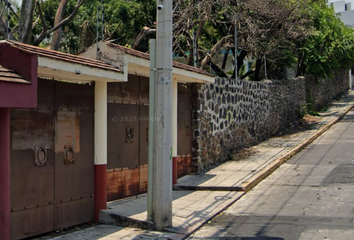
{"x":195,"y":54}
{"x":162,"y":204}
{"x":236,"y":70}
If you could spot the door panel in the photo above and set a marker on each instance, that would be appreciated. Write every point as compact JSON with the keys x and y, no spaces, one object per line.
{"x":32,"y":191}
{"x":74,"y":212}
{"x":32,"y":222}
{"x":123,"y":136}
{"x":128,"y":120}
{"x":49,"y":191}
{"x":74,"y":161}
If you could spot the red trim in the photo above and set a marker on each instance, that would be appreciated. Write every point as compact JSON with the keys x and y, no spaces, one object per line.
{"x":100,"y":190}
{"x":4,"y":173}
{"x":16,"y":95}
{"x":174,"y":170}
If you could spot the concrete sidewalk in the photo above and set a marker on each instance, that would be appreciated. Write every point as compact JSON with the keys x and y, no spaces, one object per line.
{"x":198,"y":198}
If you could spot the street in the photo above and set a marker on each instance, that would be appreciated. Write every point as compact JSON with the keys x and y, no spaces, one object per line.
{"x":309,"y":197}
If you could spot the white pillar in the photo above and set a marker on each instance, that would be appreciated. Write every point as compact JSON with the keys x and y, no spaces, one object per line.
{"x":163,"y":122}
{"x":174,"y":117}
{"x":350,"y":79}
{"x":100,"y":148}
{"x":100,"y":123}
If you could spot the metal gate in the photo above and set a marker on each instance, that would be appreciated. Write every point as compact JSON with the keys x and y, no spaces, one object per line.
{"x":128,"y":114}
{"x":128,"y":120}
{"x":52,"y":168}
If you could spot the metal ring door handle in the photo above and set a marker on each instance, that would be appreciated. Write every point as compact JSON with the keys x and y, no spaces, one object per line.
{"x":69,"y":154}
{"x":41,"y":155}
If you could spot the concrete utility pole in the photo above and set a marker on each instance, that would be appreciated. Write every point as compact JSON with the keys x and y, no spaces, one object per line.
{"x":163,"y":123}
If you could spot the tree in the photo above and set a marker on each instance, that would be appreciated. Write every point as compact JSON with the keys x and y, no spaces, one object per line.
{"x":265,"y":28}
{"x":330,"y":48}
{"x":34,"y":32}
{"x":58,"y":18}
{"x":121,"y":23}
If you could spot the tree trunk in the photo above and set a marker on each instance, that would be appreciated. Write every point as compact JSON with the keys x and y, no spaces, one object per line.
{"x":240,"y":59}
{"x":257,"y":70}
{"x":215,"y":50}
{"x":58,"y":18}
{"x":3,"y":26}
{"x":26,"y":20}
{"x":224,"y":61}
{"x":146,"y":31}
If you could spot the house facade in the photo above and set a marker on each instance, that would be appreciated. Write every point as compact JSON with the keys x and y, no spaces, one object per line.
{"x":70,"y":123}
{"x":52,"y":176}
{"x":128,"y":113}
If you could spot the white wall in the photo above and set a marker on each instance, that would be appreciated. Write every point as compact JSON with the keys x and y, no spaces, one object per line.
{"x":347,"y":17}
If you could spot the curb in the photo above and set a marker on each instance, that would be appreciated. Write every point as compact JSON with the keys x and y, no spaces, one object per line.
{"x":270,"y":168}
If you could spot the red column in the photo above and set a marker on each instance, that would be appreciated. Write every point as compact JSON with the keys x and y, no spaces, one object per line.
{"x":174,"y":170}
{"x":4,"y":173}
{"x":100,"y":189}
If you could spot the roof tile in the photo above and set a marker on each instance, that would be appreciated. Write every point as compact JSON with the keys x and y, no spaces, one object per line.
{"x":139,"y":54}
{"x":47,"y":53}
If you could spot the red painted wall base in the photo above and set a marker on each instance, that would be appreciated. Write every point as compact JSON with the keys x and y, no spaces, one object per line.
{"x":174,"y":170}
{"x":4,"y":173}
{"x":100,"y":190}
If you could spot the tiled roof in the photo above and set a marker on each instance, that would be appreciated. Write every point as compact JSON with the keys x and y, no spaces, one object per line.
{"x":7,"y":75}
{"x":47,"y":53}
{"x":147,"y":56}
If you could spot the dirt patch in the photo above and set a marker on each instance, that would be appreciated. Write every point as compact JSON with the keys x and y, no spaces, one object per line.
{"x":244,"y":153}
{"x":308,"y":122}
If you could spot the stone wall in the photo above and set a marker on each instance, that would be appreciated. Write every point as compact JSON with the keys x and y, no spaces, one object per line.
{"x":320,"y":93}
{"x":232,"y":114}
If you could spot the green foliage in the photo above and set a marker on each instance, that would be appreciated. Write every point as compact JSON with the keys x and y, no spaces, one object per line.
{"x":122,"y":21}
{"x":286,"y":33}
{"x":330,"y":47}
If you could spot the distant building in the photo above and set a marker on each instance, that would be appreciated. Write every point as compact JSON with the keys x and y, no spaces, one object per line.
{"x":345,"y":10}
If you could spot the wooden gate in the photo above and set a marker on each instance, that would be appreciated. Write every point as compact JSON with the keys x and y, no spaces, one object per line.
{"x":52,"y":168}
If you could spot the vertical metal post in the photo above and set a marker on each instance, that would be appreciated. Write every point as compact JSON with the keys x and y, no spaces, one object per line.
{"x":150,"y":189}
{"x":8,"y":19}
{"x":350,"y":79}
{"x":163,"y":121}
{"x":195,"y":54}
{"x":236,"y":70}
{"x":265,"y":66}
{"x":102,"y":20}
{"x":5,"y":173}
{"x":97,"y":36}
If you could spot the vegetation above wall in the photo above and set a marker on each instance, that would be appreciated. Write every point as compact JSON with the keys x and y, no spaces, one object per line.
{"x":273,"y":35}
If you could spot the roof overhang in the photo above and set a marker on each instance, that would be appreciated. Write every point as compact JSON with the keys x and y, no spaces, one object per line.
{"x":137,"y":63}
{"x":141,"y":67}
{"x":74,"y":72}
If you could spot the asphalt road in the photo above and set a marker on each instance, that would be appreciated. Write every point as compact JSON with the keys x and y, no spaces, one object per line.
{"x":309,"y":197}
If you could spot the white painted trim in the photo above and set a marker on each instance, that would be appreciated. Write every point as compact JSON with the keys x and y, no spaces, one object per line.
{"x":63,"y":70}
{"x":100,"y":123}
{"x":141,"y":66}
